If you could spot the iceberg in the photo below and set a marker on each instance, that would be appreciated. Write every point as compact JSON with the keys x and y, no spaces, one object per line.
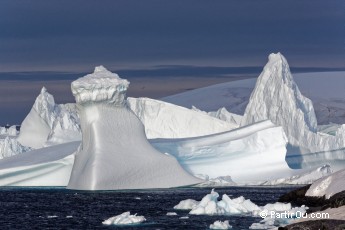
{"x":210,"y":205}
{"x":259,"y":147}
{"x":224,"y":115}
{"x":48,"y":121}
{"x":115,"y":153}
{"x":50,"y":166}
{"x":124,"y":219}
{"x":277,"y":97}
{"x":10,"y":147}
{"x":165,"y":120}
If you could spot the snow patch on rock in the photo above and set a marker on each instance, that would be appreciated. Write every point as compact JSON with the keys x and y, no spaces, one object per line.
{"x":328,"y":186}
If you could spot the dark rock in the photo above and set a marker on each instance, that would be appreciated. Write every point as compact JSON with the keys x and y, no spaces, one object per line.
{"x":323,"y":224}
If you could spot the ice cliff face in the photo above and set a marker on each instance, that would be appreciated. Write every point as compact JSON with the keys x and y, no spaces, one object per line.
{"x":165,"y":120}
{"x":50,"y":122}
{"x":277,"y":97}
{"x":115,"y":153}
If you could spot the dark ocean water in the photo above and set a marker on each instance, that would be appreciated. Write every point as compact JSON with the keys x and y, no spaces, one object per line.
{"x":58,"y":208}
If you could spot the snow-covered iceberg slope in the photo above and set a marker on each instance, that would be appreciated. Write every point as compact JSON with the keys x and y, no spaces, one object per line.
{"x":165,"y":120}
{"x":276,"y":97}
{"x":249,"y":154}
{"x":50,"y":166}
{"x":50,"y":122}
{"x":115,"y":153}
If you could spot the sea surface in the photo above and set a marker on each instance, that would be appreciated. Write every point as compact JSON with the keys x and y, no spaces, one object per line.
{"x":59,"y":208}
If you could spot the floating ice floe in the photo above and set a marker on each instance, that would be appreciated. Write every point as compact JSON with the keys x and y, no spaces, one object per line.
{"x":221,"y":225}
{"x":171,"y":214}
{"x":209,"y":205}
{"x":124,"y":219}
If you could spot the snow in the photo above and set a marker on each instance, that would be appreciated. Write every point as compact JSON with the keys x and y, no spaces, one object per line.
{"x":124,"y":219}
{"x":12,"y":131}
{"x":221,"y":225}
{"x":224,"y":115}
{"x":50,"y":166}
{"x":276,"y":96}
{"x":328,"y":186}
{"x":115,"y":153}
{"x":305,"y":178}
{"x":221,"y":181}
{"x":49,"y":122}
{"x":326,"y":92}
{"x":165,"y":120}
{"x":10,"y":147}
{"x":259,"y":147}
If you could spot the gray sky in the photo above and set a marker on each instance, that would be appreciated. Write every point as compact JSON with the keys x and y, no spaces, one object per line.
{"x":162,"y":38}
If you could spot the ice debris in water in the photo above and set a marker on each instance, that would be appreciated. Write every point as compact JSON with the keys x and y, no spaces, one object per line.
{"x":124,"y":219}
{"x":221,"y":225}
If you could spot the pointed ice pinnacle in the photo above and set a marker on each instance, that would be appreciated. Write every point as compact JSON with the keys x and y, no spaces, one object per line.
{"x":115,"y":153}
{"x":276,"y":97}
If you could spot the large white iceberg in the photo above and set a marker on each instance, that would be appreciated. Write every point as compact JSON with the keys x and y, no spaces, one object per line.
{"x":276,"y":97}
{"x":115,"y":153}
{"x":259,"y":147}
{"x":50,"y":122}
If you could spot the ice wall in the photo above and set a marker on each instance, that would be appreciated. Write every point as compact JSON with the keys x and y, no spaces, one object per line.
{"x":165,"y":120}
{"x":115,"y":153}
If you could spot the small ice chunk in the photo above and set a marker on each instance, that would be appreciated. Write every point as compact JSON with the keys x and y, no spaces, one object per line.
{"x":124,"y":219}
{"x":221,"y":225}
{"x":184,"y":217}
{"x":186,"y":204}
{"x":171,"y":214}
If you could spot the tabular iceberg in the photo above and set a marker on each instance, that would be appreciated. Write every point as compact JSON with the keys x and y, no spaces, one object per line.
{"x":115,"y":153}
